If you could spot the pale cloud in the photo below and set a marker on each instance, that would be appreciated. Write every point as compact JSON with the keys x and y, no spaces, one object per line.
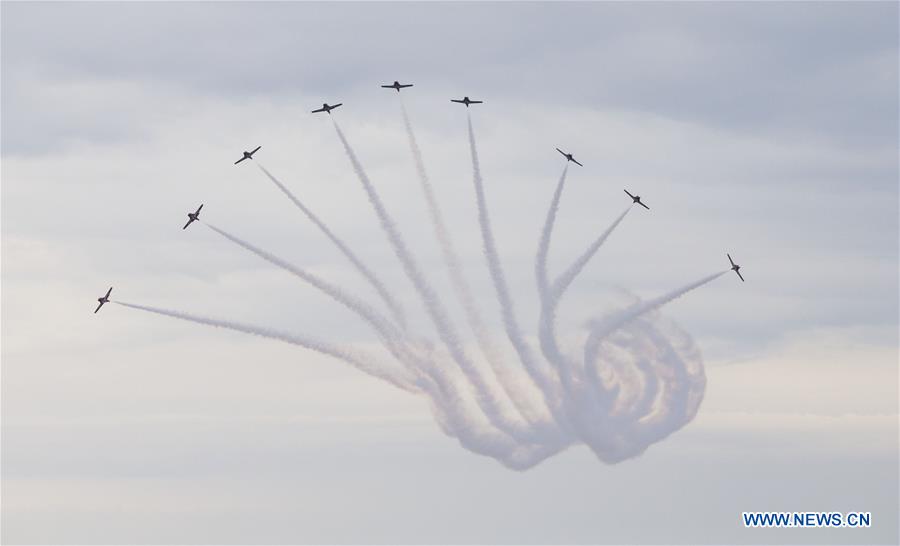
{"x":768,"y":131}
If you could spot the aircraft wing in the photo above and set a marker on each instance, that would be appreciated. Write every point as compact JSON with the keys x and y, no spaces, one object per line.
{"x":729,"y":259}
{"x":198,"y":208}
{"x":476,"y":101}
{"x":239,"y":160}
{"x":739,"y":275}
{"x":316,"y":111}
{"x":255,"y":150}
{"x":188,"y":223}
{"x":457,"y":100}
{"x":643,"y":205}
{"x":108,"y":292}
{"x":388,"y":86}
{"x":629,"y":194}
{"x":402,"y":85}
{"x":336,"y":105}
{"x":98,"y":307}
{"x":577,"y":163}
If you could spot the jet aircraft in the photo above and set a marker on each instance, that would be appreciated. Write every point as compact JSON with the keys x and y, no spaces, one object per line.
{"x":397,"y":85}
{"x":326,"y":108}
{"x":192,"y":216}
{"x":569,"y":157}
{"x":637,"y":199}
{"x":248,"y":155}
{"x":104,"y":299}
{"x":466,"y":101}
{"x":735,"y":267}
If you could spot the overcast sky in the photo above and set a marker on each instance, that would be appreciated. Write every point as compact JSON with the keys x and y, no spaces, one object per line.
{"x":769,"y":131}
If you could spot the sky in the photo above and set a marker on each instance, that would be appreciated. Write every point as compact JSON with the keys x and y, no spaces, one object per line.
{"x":766,"y":130}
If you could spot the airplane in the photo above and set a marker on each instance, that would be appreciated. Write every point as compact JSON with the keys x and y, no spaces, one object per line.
{"x":467,"y":101}
{"x":569,"y":157}
{"x":104,"y":299}
{"x":193,"y":216}
{"x":326,"y":108}
{"x":397,"y":85}
{"x":637,"y":199}
{"x":735,"y":267}
{"x":248,"y":155}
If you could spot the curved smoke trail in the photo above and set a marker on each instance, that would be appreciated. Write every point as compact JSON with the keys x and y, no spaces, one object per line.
{"x":646,"y":410}
{"x":458,"y":423}
{"x":547,"y":338}
{"x":487,"y":398}
{"x":381,"y":324}
{"x":565,"y":367}
{"x":503,"y":375}
{"x":548,"y":388}
{"x":636,"y":380}
{"x":392,"y":338}
{"x":366,"y":363}
{"x":376,"y":283}
{"x":550,"y":298}
{"x":602,"y":328}
{"x":565,"y":278}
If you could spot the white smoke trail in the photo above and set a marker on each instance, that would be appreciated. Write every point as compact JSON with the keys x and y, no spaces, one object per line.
{"x":549,"y":389}
{"x":381,"y":324}
{"x":574,"y":400}
{"x":681,"y":390}
{"x":602,"y":328}
{"x":540,"y":263}
{"x":636,"y":381}
{"x":668,"y":399}
{"x":486,"y":397}
{"x":565,"y":279}
{"x":551,"y":297}
{"x":368,"y":274}
{"x":504,"y":375}
{"x":576,"y":403}
{"x":393,"y":339}
{"x":656,"y":371}
{"x":397,"y":377}
{"x":547,"y":337}
{"x":456,"y":422}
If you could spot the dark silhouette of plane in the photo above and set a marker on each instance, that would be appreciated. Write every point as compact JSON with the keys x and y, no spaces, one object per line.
{"x":397,"y":85}
{"x":735,"y":267}
{"x":637,"y":199}
{"x":467,"y":101}
{"x":569,"y":157}
{"x":326,"y":108}
{"x":248,"y":155}
{"x":193,"y":216}
{"x":104,"y":299}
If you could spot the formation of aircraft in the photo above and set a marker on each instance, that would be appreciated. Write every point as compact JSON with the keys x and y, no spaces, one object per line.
{"x":248,"y":155}
{"x":102,"y":300}
{"x":466,"y":101}
{"x":397,"y":85}
{"x":326,"y":108}
{"x":192,"y":216}
{"x":569,"y":157}
{"x":637,"y":199}
{"x":735,"y":267}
